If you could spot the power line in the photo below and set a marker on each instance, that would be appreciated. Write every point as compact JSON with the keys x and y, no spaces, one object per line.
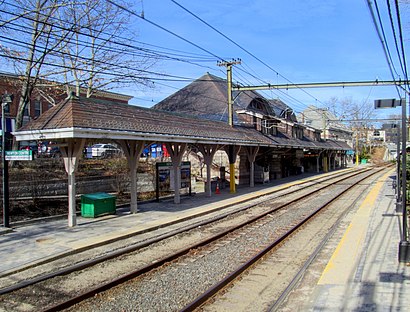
{"x":394,"y":35}
{"x":166,"y":30}
{"x":384,"y":43}
{"x":239,"y":46}
{"x":175,"y":56}
{"x":401,"y":38}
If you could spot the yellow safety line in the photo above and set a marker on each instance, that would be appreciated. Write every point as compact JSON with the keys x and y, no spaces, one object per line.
{"x":342,"y":264}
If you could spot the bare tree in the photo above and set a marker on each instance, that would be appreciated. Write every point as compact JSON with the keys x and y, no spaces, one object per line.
{"x":99,"y":54}
{"x":354,"y":114}
{"x":31,"y":41}
{"x":85,"y":44}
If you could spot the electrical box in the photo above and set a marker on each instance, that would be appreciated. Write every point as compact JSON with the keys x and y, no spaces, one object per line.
{"x":97,"y":204}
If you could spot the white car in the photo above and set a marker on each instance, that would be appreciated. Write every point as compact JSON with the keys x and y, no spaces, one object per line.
{"x":102,"y":151}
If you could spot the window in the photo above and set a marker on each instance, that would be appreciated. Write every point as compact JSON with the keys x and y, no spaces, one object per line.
{"x":297,"y":133}
{"x":269,"y":127}
{"x":27,"y":110}
{"x":37,"y":108}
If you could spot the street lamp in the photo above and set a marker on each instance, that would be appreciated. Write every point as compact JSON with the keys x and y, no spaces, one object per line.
{"x":5,"y":100}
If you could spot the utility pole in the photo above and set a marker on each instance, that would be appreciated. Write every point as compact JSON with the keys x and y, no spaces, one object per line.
{"x":404,"y":245}
{"x":228,"y":65}
{"x":6,"y":99}
{"x":232,"y":151}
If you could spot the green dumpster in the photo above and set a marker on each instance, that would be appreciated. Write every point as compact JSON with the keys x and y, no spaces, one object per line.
{"x":97,"y":204}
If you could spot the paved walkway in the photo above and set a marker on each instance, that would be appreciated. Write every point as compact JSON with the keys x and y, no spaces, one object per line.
{"x":364,"y":273}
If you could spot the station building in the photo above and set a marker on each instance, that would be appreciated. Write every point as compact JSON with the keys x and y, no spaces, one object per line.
{"x":264,"y":143}
{"x":298,"y":147}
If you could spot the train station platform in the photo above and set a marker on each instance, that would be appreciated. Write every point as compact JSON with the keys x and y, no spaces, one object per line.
{"x":363,"y":274}
{"x":26,"y":244}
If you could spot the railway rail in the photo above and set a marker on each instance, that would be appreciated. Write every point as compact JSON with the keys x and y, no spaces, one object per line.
{"x":274,"y":301}
{"x":103,"y":251}
{"x":261,"y":214}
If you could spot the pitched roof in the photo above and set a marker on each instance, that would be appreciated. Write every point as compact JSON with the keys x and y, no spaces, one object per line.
{"x":86,"y":117}
{"x":92,"y":118}
{"x":50,"y":83}
{"x":317,"y":116}
{"x":207,"y":98}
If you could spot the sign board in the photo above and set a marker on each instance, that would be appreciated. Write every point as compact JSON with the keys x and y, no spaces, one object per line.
{"x":165,"y":175}
{"x":10,"y":125}
{"x":388,"y":103}
{"x":19,"y":155}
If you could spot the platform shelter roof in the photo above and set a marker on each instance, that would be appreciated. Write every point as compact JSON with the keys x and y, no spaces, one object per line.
{"x":78,"y":117}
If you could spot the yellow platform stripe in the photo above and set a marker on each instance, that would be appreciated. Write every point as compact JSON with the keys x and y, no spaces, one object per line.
{"x":343,"y":262}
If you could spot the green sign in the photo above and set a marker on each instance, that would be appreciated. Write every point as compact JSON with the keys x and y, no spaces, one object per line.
{"x":19,"y":155}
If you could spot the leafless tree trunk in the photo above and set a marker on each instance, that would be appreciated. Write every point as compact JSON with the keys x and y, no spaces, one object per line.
{"x":98,"y":53}
{"x":30,"y":27}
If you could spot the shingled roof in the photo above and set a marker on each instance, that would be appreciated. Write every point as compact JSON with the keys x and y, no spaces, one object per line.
{"x":92,"y":118}
{"x":78,"y":117}
{"x":206,"y":98}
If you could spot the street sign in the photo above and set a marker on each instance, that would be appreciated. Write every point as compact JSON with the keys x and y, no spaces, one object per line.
{"x":19,"y":155}
{"x":387,"y":103}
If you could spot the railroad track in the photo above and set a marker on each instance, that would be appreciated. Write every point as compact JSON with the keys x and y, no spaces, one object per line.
{"x":84,"y":260}
{"x":260,"y":220}
{"x":247,"y":285}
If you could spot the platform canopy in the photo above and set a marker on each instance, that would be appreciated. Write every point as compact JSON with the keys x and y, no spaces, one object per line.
{"x":77,"y":119}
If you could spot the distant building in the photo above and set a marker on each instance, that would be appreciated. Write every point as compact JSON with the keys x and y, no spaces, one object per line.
{"x":44,"y":96}
{"x":377,"y":136}
{"x":327,"y":122}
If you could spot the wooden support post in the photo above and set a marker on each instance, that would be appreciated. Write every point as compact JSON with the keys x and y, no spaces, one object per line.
{"x":132,"y":151}
{"x":232,"y":151}
{"x":251,"y":152}
{"x":325,"y":164}
{"x":71,"y":153}
{"x":208,"y":151}
{"x":176,"y":151}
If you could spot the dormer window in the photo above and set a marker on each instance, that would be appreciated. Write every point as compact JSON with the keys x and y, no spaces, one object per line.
{"x":269,"y":126}
{"x":297,"y":132}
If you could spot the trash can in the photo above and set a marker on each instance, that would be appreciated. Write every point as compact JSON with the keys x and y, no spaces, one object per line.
{"x":364,"y":161}
{"x":97,"y":204}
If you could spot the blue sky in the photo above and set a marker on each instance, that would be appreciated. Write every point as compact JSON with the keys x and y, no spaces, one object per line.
{"x":303,"y":41}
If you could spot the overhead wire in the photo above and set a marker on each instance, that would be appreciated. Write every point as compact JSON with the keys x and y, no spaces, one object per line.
{"x":240,"y":47}
{"x":394,"y":34}
{"x":384,"y":37}
{"x":401,"y":39}
{"x":188,"y":55}
{"x":166,"y":30}
{"x":383,"y":43}
{"x":85,"y":44}
{"x":179,"y":37}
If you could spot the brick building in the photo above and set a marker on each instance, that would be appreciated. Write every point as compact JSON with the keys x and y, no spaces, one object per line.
{"x":46,"y":95}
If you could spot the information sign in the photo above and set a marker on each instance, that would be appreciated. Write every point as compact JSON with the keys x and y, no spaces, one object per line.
{"x":166,"y":175}
{"x":19,"y":155}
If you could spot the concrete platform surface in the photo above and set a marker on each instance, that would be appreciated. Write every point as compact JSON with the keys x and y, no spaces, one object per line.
{"x":364,"y":272}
